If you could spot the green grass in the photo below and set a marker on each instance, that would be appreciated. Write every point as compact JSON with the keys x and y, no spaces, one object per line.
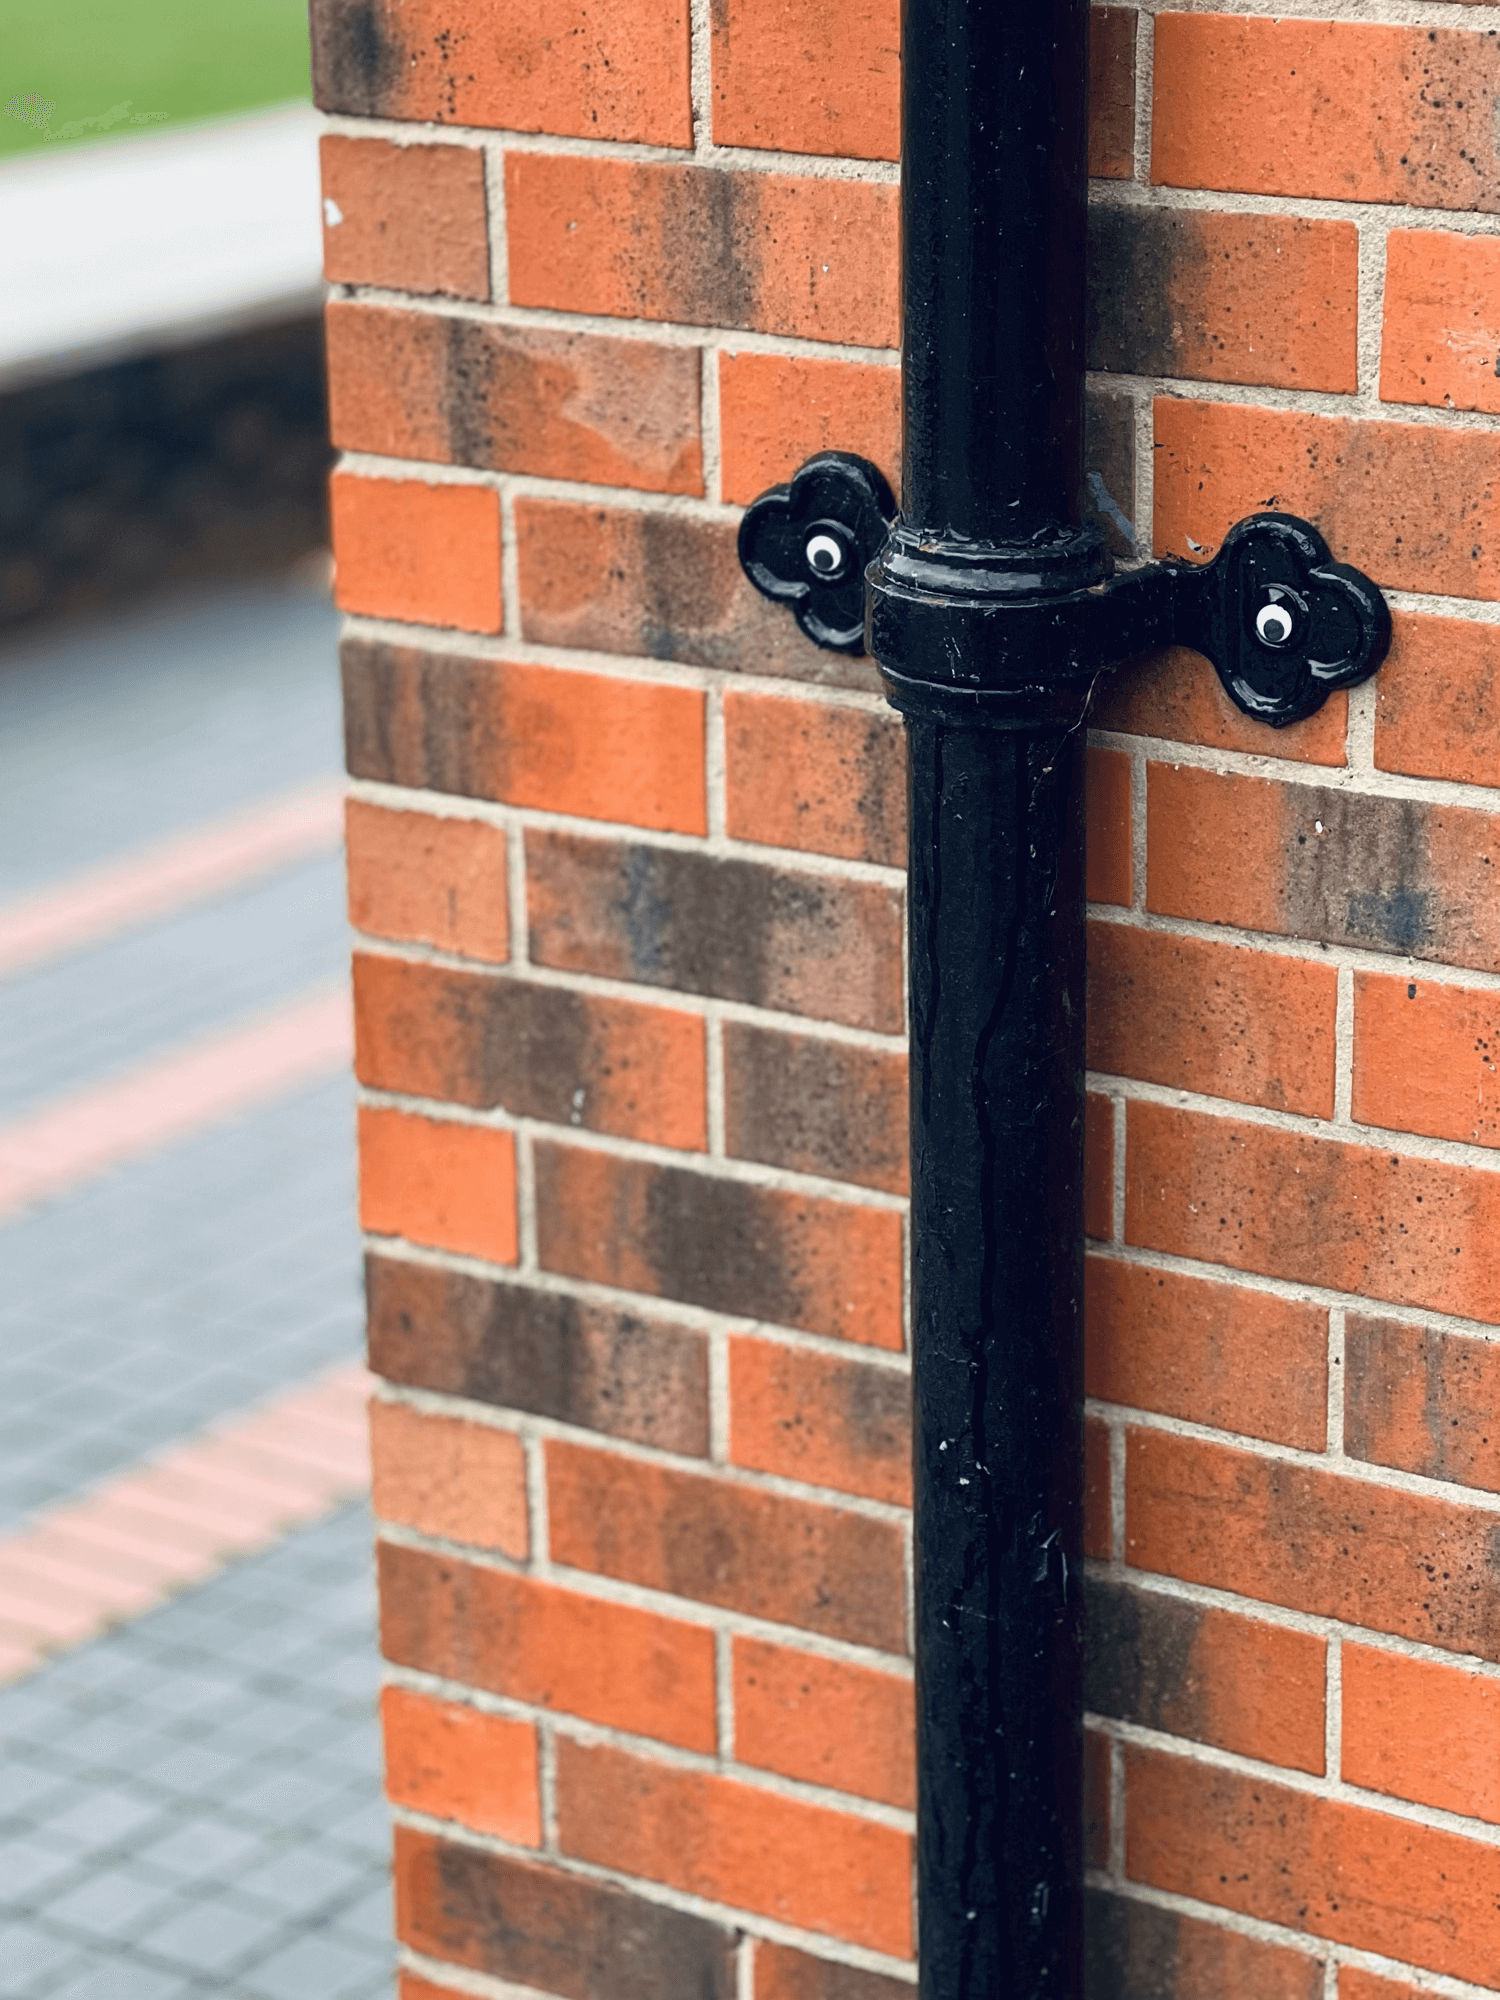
{"x":75,"y":69}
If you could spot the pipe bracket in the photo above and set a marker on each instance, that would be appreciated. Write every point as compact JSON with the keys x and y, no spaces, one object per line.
{"x":1015,"y":634}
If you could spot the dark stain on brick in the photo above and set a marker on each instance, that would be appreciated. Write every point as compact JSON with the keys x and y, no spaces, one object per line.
{"x":1143,"y":263}
{"x":500,"y":1044}
{"x":1460,"y":1432}
{"x":732,"y":929}
{"x":876,"y":1410}
{"x":1130,"y":1949}
{"x":600,"y":1367}
{"x":1357,"y":871}
{"x":709,"y":250}
{"x":1137,"y":1951}
{"x":690,"y":580}
{"x":429,"y":720}
{"x":537,"y":1926}
{"x":721,"y":1244}
{"x":879,"y":781}
{"x":468,"y":369}
{"x":1138,"y":1657}
{"x":356,"y":59}
{"x":816,"y":1107}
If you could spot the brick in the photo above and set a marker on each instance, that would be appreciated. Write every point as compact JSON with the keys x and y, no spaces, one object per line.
{"x":1222,"y":1019}
{"x":426,"y":555}
{"x":435,"y":1181}
{"x":577,"y":1059}
{"x":1340,"y":1871}
{"x":800,"y":942}
{"x":594,"y":69}
{"x":704,"y":246}
{"x":538,"y":1926}
{"x":783,"y":78}
{"x":1215,"y":1354}
{"x":453,"y":1762}
{"x":1109,"y":868}
{"x":1315,"y":1210}
{"x":1176,"y":694}
{"x":811,"y":775}
{"x":1412,"y":503}
{"x":1349,"y":111}
{"x":539,"y":400}
{"x":1140,"y":1951}
{"x":713,"y":1836}
{"x":1112,"y":32}
{"x":1098,"y":1165}
{"x":1218,"y":297}
{"x":782,"y":1973}
{"x":815,"y":1106}
{"x":1379,"y":874}
{"x":1188,"y":1670}
{"x":1424,"y":1057}
{"x":792,"y":1561}
{"x":828,"y":1419}
{"x":1097,"y":1504}
{"x":1313,"y":1540}
{"x":1357,"y":1984}
{"x":825,"y":1721}
{"x":410,"y":1986}
{"x":410,"y":218}
{"x":602,"y":746}
{"x":1097,"y":1789}
{"x":427,"y":880}
{"x":536,"y":1642}
{"x":602,"y":1367}
{"x":1421,"y":1731}
{"x":1437,"y":700}
{"x":662,"y":586}
{"x":1422,"y":1401}
{"x":801,"y":1260}
{"x":449,"y":1477}
{"x":1440,"y":328}
{"x":777,"y":409}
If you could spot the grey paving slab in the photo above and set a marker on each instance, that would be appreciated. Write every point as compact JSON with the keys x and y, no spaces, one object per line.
{"x":121,"y":1288}
{"x":118,"y":730}
{"x":163,"y":1881}
{"x":132,"y":998}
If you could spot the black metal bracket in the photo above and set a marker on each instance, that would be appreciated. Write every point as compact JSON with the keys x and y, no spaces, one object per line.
{"x":985,"y":630}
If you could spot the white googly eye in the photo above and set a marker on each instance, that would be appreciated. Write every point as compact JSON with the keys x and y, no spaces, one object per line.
{"x":1273,"y":624}
{"x":825,"y":556}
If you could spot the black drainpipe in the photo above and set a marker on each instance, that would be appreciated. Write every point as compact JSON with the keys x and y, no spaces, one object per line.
{"x":991,"y":610}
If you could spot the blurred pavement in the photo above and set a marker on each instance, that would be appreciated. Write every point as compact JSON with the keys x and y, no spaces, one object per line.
{"x":189,"y":1804}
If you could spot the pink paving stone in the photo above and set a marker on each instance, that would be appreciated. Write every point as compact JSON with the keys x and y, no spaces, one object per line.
{"x":226,"y":1461}
{"x":83,"y":1545}
{"x":168,"y":874}
{"x":96,"y":1127}
{"x":175,"y":1519}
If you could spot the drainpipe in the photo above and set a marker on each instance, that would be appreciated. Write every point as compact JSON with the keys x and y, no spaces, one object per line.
{"x":992,"y":609}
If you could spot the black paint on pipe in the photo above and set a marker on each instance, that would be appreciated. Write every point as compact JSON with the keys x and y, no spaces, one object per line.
{"x":993,"y":231}
{"x":997,"y":1120}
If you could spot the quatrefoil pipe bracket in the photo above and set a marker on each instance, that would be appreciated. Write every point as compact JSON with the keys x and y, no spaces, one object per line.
{"x":808,"y":544}
{"x":960,"y":627}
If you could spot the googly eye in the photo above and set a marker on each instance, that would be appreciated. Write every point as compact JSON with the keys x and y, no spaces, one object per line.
{"x":1273,"y":624}
{"x":825,"y":556}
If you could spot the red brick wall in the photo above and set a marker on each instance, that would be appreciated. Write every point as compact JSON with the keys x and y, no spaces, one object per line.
{"x":625,"y":860}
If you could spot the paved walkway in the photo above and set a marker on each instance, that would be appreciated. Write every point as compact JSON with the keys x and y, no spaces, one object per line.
{"x":189,"y":1803}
